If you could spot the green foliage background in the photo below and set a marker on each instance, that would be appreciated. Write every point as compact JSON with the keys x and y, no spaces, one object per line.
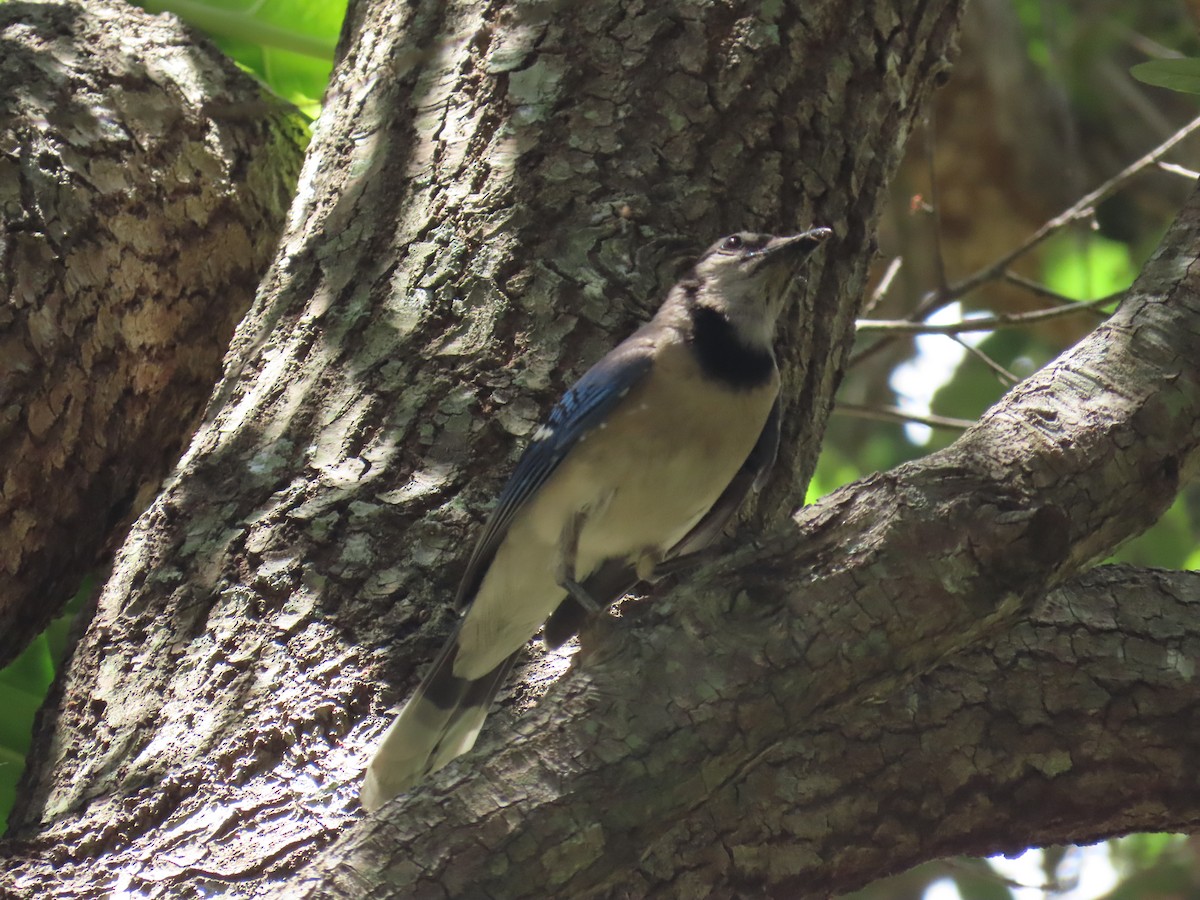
{"x":289,"y":44}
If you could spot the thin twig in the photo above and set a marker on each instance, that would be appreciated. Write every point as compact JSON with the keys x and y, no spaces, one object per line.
{"x":1141,"y":42}
{"x":1081,"y":209}
{"x":1175,"y":169}
{"x":1041,"y":290}
{"x":885,"y":284}
{"x":895,"y":414}
{"x":939,"y":261}
{"x":984,"y":323}
{"x":1131,"y":92}
{"x":1007,"y":378}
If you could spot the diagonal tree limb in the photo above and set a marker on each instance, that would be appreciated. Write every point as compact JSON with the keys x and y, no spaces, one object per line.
{"x":701,"y":712}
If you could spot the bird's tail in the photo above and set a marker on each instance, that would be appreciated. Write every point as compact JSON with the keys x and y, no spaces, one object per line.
{"x":439,"y":723}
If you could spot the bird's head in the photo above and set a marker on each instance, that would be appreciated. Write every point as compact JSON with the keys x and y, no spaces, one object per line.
{"x":745,"y":277}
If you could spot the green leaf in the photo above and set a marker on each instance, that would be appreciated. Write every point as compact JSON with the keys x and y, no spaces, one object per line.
{"x":23,"y":686}
{"x":1140,"y":851}
{"x":307,"y":28}
{"x":11,"y":766}
{"x":289,"y":44}
{"x":1170,"y":543}
{"x":16,"y":725}
{"x":832,"y":472}
{"x":1087,"y":266}
{"x":33,"y":670}
{"x":1182,"y":75}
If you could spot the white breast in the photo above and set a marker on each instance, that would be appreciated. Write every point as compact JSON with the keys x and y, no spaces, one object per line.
{"x":644,"y":480}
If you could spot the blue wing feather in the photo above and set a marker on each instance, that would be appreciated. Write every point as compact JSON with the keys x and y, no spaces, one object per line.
{"x":584,"y":406}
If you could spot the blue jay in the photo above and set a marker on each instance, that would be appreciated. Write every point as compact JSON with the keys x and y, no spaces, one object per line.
{"x":640,"y":464}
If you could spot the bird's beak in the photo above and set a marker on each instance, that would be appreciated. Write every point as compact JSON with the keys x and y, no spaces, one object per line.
{"x":797,"y":246}
{"x":787,"y":253}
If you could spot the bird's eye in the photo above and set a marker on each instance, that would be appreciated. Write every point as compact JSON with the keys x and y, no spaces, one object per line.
{"x":731,"y":243}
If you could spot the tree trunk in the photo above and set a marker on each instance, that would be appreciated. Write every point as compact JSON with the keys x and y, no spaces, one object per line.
{"x":141,"y":195}
{"x":492,"y":198}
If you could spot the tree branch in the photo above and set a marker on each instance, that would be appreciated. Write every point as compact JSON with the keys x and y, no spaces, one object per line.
{"x":983,"y":323}
{"x":895,"y":414}
{"x":136,"y":219}
{"x":702,"y":712}
{"x":1083,"y":208}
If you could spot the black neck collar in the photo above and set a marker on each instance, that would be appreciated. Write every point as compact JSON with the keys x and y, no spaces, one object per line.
{"x":723,"y":355}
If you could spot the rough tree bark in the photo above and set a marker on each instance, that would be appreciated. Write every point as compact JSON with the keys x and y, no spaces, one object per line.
{"x":494,"y":195}
{"x":143,"y":183}
{"x":859,"y":691}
